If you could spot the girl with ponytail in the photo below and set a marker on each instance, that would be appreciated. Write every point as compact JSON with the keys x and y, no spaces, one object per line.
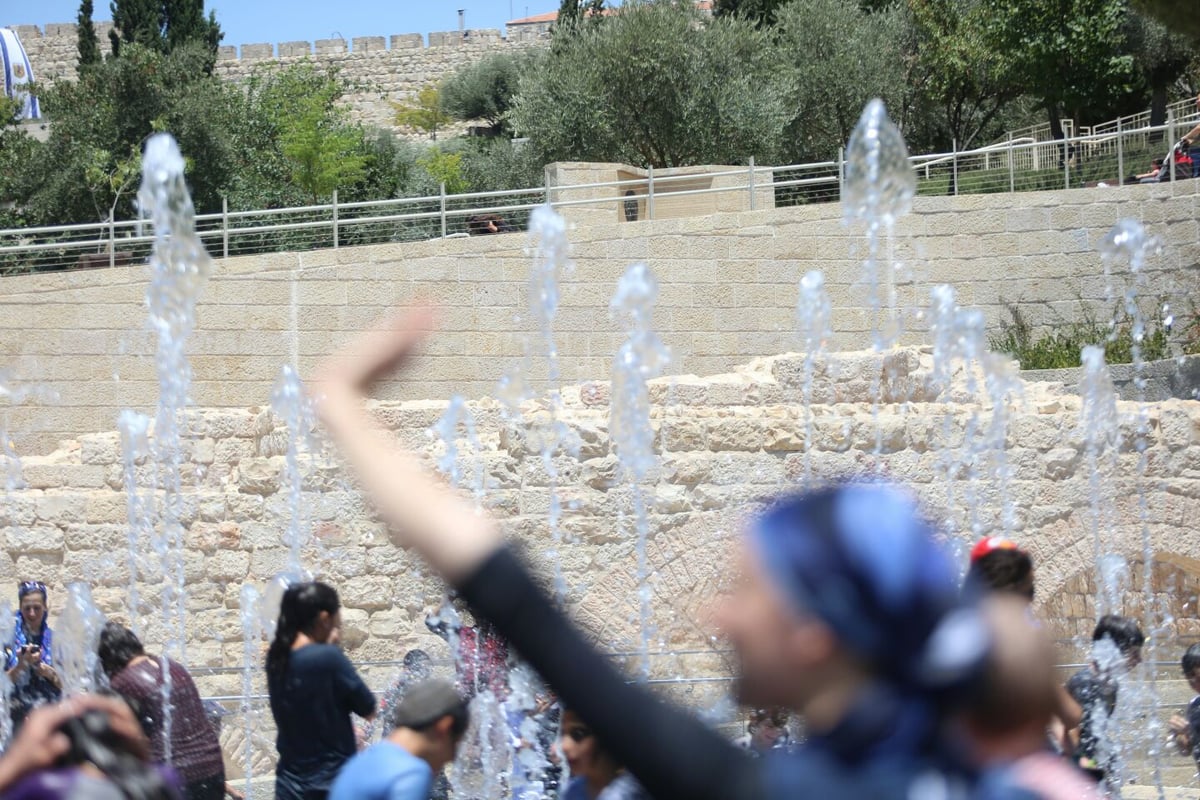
{"x":313,"y":690}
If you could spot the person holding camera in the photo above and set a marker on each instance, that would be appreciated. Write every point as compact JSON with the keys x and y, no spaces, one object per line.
{"x":29,"y":659}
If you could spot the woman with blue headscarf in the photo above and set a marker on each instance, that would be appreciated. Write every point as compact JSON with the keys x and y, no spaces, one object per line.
{"x":845,"y":611}
{"x":29,"y":659}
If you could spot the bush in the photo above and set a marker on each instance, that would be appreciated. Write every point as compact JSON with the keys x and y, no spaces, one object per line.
{"x":1060,"y":347}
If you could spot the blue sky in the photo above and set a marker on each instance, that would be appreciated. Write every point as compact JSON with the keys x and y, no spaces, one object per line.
{"x":249,"y":21}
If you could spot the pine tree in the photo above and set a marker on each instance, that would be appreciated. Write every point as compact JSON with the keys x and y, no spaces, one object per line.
{"x":137,"y":21}
{"x":89,"y":48}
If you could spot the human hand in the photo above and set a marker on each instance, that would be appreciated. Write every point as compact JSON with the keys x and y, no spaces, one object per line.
{"x":41,"y":741}
{"x":381,"y":348}
{"x":1177,"y":724}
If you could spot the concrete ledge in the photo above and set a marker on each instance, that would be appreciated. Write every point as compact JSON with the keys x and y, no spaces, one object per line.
{"x":1177,"y":378}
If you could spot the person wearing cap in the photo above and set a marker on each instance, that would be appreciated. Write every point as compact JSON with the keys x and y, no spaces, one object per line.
{"x":1000,"y":566}
{"x":427,"y":725}
{"x":845,"y":611}
{"x":29,"y":658}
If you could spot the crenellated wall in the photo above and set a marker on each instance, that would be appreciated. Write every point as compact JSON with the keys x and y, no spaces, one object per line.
{"x":378,"y":70}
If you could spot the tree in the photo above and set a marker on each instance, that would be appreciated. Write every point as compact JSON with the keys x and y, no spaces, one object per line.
{"x":1070,"y":54}
{"x":89,"y":48}
{"x":446,"y":169}
{"x":426,"y":115}
{"x":483,"y":90}
{"x":1181,"y":14}
{"x":322,"y":151}
{"x":1160,"y":56}
{"x":165,"y":25}
{"x":572,"y":14}
{"x":761,"y":12}
{"x":839,"y":58}
{"x":654,"y":86}
{"x":136,"y":22}
{"x":967,"y":81}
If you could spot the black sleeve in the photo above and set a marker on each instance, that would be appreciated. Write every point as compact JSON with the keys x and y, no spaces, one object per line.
{"x":669,"y":751}
{"x":351,"y":688}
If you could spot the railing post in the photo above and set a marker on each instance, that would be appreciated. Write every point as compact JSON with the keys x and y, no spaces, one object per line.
{"x":224,"y":227}
{"x":650,"y":193}
{"x":842,"y":172}
{"x":112,"y":240}
{"x":954,"y":164}
{"x":443,"y":194}
{"x":1171,"y":137}
{"x":751,"y":183}
{"x":335,"y":220}
{"x":1066,"y":160}
{"x":1012,"y":174}
{"x":1120,"y":155}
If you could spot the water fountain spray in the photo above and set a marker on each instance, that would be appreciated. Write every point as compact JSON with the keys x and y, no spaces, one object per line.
{"x":179,"y":267}
{"x":879,"y":187}
{"x":813,"y":316}
{"x":641,"y":357}
{"x":291,"y":402}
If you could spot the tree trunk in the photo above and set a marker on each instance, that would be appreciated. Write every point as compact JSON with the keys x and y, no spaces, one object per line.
{"x":1158,"y":109}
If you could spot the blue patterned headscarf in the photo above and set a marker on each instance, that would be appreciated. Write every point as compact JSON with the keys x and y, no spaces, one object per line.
{"x":862,"y":559}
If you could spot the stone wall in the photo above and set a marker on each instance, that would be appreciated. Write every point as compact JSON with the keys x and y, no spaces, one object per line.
{"x":725,"y":444}
{"x":728,"y":291}
{"x":378,"y":70}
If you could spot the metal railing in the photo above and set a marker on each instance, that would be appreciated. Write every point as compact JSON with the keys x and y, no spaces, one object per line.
{"x":1022,"y":164}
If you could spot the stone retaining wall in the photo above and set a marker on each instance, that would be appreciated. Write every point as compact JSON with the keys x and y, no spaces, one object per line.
{"x":728,"y":292}
{"x":726,"y":443}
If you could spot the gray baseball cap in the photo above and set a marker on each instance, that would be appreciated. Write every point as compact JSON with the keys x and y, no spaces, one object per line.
{"x":427,"y":702}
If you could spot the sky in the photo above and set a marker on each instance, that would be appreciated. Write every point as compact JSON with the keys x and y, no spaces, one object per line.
{"x":251,"y":21}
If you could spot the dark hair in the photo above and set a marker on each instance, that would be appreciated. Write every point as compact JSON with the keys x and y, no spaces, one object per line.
{"x":775,"y":717}
{"x":93,"y":741}
{"x":418,"y":662}
{"x":1123,"y":631}
{"x":32,"y":587}
{"x":1191,"y":660}
{"x":1003,"y":570}
{"x":302,"y":604}
{"x":118,"y":646}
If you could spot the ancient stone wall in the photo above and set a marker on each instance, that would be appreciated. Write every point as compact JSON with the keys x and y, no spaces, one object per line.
{"x":728,"y":292}
{"x":725,"y":443}
{"x":378,"y":70}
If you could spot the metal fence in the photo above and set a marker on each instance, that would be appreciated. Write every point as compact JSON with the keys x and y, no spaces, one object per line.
{"x":1022,"y":164}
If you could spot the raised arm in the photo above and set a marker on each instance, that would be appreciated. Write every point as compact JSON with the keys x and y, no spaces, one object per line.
{"x":668,"y":750}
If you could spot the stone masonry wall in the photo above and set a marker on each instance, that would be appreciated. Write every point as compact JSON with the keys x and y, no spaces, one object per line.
{"x":377,"y":69}
{"x":728,"y":292}
{"x":725,"y":444}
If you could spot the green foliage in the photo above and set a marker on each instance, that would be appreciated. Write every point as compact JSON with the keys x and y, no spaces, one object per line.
{"x":1059,"y":348}
{"x":426,"y":114}
{"x":839,"y":57}
{"x":575,"y":16}
{"x":89,"y":48}
{"x":446,"y":169}
{"x":106,"y":114}
{"x":165,"y":25}
{"x":1179,"y":14}
{"x":323,"y":151}
{"x":966,"y":81}
{"x":760,"y":12}
{"x":654,"y":86}
{"x":484,"y":90}
{"x":1071,"y":54}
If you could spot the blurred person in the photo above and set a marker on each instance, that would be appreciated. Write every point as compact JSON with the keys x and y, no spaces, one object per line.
{"x":1005,"y":722}
{"x":415,"y":667}
{"x":1116,"y":650}
{"x":999,"y":565}
{"x":86,"y":748}
{"x":426,"y":727}
{"x":595,"y":774}
{"x":844,"y":610}
{"x":29,"y":658}
{"x":766,"y":731}
{"x":142,"y":679}
{"x":313,"y":690}
{"x":481,"y":657}
{"x":1185,"y":729}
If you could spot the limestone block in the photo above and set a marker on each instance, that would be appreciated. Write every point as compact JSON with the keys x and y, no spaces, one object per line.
{"x":290,"y":49}
{"x":42,"y":539}
{"x":258,"y":477}
{"x":256,"y":52}
{"x":327,"y":47}
{"x":368,"y":44}
{"x":227,"y":565}
{"x":407,"y":41}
